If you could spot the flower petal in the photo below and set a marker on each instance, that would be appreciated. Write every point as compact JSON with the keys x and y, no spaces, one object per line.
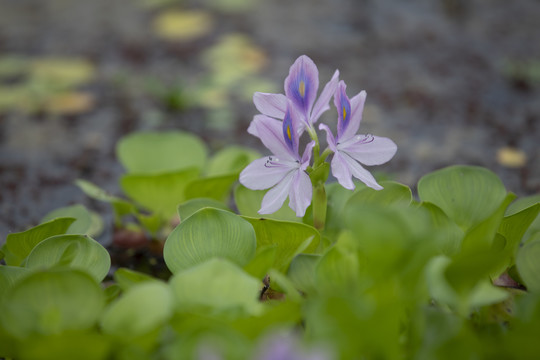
{"x":275,"y":197}
{"x":270,"y":131}
{"x":375,"y":152}
{"x":306,"y":157}
{"x":274,"y":105}
{"x":300,"y":193}
{"x":321,"y":105}
{"x":343,"y":106}
{"x":259,"y":176}
{"x":330,"y":139}
{"x":359,"y":172}
{"x":341,"y":172}
{"x":357,"y":107}
{"x":302,"y":84}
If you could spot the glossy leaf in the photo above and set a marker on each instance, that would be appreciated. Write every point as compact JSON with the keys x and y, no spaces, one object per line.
{"x":391,"y":193}
{"x":86,"y":222}
{"x":290,"y":238}
{"x":160,"y":152}
{"x":264,"y":259}
{"x":9,"y":275}
{"x":231,"y":160}
{"x":140,"y":310}
{"x":50,"y":302}
{"x":207,"y":234}
{"x":302,"y":272}
{"x":514,"y":227}
{"x":127,"y":278}
{"x":19,"y":245}
{"x":447,"y":233}
{"x":467,"y":194}
{"x":216,"y":187}
{"x":189,"y":207}
{"x":522,"y":204}
{"x":528,"y":264}
{"x":216,"y":284}
{"x":159,"y":193}
{"x":76,"y":251}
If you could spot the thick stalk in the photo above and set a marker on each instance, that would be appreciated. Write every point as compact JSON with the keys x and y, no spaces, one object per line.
{"x":319,"y":206}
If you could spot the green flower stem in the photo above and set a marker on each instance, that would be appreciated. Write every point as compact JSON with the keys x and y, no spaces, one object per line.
{"x":319,"y":206}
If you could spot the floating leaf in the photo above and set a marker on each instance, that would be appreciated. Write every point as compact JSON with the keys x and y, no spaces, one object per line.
{"x":216,"y":187}
{"x":183,"y":25}
{"x":249,"y":202}
{"x":337,"y":272}
{"x":232,"y":159}
{"x":392,"y":193}
{"x":302,"y":272}
{"x":159,"y":152}
{"x":9,"y":276}
{"x":290,"y":238}
{"x":264,"y":259}
{"x":75,"y":251}
{"x":121,"y":207}
{"x":127,"y":278}
{"x":511,"y":157}
{"x":86,"y":222}
{"x":50,"y":302}
{"x":206,"y":234}
{"x":141,"y":309}
{"x":528,"y":264}
{"x":61,"y":73}
{"x":467,"y":194}
{"x":188,"y":208}
{"x":159,"y":193}
{"x":216,"y":284}
{"x":70,"y":103}
{"x":514,"y":226}
{"x":19,"y":245}
{"x":448,"y":234}
{"x":522,"y":204}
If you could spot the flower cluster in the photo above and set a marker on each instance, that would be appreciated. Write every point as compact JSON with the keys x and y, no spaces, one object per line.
{"x":284,"y":118}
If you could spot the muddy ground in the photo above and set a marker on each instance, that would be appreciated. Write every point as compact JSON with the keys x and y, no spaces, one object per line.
{"x":450,"y":81}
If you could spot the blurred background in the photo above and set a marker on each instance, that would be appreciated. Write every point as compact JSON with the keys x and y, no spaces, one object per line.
{"x":450,"y":81}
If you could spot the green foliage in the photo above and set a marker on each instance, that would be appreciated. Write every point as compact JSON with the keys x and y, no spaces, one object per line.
{"x":206,"y":234}
{"x":453,"y":274}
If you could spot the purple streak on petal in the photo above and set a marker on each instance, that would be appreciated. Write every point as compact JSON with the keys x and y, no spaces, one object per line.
{"x":275,"y":197}
{"x":289,"y":134}
{"x":270,"y":131}
{"x":343,"y":106}
{"x":306,"y":157}
{"x":357,"y":107}
{"x":273,"y":105}
{"x":300,"y":193}
{"x":360,"y":173}
{"x":302,"y":84}
{"x":264,"y":173}
{"x":321,"y":105}
{"x":340,"y":170}
{"x":330,"y":139}
{"x":373,"y":151}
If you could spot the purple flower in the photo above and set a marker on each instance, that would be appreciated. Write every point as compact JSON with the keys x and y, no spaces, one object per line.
{"x":301,"y":89}
{"x":283,"y":172}
{"x":351,"y":150}
{"x":286,"y":346}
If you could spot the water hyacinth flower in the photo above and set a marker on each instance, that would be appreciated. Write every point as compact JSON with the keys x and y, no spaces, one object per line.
{"x":301,"y":88}
{"x":351,"y":149}
{"x":283,"y":172}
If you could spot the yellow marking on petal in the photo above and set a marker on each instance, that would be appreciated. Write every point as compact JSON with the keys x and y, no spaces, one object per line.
{"x":302,"y":88}
{"x":344,"y":113}
{"x":289,"y":132}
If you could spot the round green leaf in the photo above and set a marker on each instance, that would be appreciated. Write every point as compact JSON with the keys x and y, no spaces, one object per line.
{"x":215,"y":187}
{"x":50,"y":302}
{"x":467,"y":194}
{"x":140,"y":310}
{"x":188,"y":208}
{"x":86,"y":222}
{"x":210,"y":233}
{"x":160,"y":193}
{"x":232,"y":159}
{"x":291,"y":238}
{"x":391,"y":193}
{"x":9,"y":275}
{"x":218,"y":284}
{"x":302,"y":272}
{"x":158,"y":152}
{"x":76,"y":251}
{"x":528,"y":264}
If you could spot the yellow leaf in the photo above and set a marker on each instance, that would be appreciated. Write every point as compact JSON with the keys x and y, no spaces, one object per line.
{"x":511,"y":157}
{"x":70,"y":103}
{"x":183,"y":25}
{"x":61,"y":72}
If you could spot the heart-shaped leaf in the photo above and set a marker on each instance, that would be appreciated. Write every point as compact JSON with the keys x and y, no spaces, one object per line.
{"x":159,"y":152}
{"x":210,"y":233}
{"x":76,"y":251}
